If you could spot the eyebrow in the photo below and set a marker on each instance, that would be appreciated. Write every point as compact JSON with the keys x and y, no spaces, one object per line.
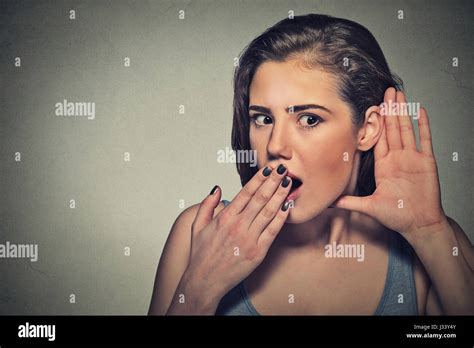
{"x":296,"y":108}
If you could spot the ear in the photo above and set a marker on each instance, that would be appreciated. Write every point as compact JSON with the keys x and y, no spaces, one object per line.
{"x":370,"y":132}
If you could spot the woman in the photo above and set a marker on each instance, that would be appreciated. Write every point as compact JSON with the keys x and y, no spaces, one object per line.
{"x":342,"y":214}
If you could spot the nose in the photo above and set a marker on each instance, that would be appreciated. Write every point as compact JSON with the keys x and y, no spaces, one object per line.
{"x":278,"y":145}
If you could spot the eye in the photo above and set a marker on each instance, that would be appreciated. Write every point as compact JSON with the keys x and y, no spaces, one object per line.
{"x":261,"y":120}
{"x":309,"y":121}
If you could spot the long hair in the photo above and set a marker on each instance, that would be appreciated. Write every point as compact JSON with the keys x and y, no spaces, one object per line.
{"x":339,"y":46}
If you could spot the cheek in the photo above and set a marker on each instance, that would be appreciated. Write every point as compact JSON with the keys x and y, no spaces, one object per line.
{"x":329,"y":165}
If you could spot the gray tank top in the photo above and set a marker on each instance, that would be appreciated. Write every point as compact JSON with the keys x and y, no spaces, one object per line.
{"x":398,"y":297}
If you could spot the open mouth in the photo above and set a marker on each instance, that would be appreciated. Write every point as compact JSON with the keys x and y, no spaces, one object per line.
{"x":295,"y":183}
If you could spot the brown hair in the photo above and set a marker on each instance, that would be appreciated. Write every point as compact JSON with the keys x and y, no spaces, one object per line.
{"x":339,"y":46}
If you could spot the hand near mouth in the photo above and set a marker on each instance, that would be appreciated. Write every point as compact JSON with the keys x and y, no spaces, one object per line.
{"x":407,"y":196}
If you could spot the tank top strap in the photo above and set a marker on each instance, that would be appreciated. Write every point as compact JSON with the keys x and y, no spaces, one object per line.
{"x":399,"y":294}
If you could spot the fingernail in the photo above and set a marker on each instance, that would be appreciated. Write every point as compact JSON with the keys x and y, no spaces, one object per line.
{"x":267,"y":171}
{"x":281,"y":169}
{"x":285,"y":182}
{"x":285,"y":206}
{"x":214,"y":189}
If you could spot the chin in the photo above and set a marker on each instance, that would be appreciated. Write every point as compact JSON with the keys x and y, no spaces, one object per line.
{"x":299,"y":216}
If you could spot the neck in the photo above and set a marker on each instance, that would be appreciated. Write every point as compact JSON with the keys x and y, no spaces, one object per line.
{"x":332,"y":225}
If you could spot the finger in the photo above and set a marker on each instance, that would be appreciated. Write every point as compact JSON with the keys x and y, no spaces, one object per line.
{"x":272,"y":230}
{"x":360,"y":204}
{"x":240,"y":201}
{"x":266,"y":215}
{"x":426,"y":145}
{"x":381,"y":148}
{"x":206,"y":209}
{"x":407,"y":133}
{"x":391,"y":121}
{"x":263,"y":195}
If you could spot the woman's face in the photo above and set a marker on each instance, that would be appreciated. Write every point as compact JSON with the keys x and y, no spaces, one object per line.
{"x":317,"y":144}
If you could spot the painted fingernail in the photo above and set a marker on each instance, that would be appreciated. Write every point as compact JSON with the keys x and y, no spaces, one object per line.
{"x":285,"y":206}
{"x":285,"y":182}
{"x":214,"y":190}
{"x":281,"y":169}
{"x":267,"y":171}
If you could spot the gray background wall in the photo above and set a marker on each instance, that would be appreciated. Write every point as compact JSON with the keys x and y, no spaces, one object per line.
{"x":173,"y":156}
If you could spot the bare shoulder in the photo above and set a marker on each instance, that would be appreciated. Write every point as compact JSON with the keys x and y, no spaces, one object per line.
{"x":188,"y":215}
{"x":464,"y":243}
{"x":425,"y":292}
{"x":422,"y":284}
{"x":174,"y":259}
{"x":180,"y":234}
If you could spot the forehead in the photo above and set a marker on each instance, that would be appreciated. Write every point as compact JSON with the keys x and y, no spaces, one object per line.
{"x":290,"y":83}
